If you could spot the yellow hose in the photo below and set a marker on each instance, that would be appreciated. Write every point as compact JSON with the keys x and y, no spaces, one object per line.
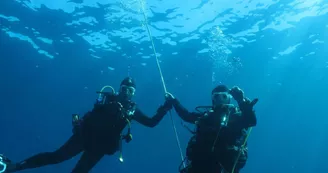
{"x":242,"y":147}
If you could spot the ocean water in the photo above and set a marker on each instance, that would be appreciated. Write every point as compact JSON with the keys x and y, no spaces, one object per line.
{"x":54,"y":56}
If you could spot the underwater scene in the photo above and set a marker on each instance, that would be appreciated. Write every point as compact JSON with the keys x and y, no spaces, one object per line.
{"x":163,"y":86}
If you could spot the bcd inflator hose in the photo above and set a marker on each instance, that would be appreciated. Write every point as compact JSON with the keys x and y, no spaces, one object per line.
{"x":3,"y":165}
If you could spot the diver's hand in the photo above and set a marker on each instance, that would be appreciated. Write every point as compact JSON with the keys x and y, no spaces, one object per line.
{"x":168,"y":101}
{"x":247,"y":105}
{"x":169,"y":96}
{"x":237,"y":94}
{"x":167,"y":105}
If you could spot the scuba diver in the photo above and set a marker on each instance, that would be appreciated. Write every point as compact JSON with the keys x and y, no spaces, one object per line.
{"x":98,"y":133}
{"x":219,"y":142}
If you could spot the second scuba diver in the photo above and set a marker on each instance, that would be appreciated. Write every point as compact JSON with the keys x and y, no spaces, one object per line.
{"x":219,"y":142}
{"x":98,"y":133}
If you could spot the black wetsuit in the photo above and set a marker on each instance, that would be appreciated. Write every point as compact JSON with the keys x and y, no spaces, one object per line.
{"x":201,"y":155}
{"x":99,"y":134}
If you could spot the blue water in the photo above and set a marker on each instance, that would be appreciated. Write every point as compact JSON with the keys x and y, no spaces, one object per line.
{"x":54,"y":55}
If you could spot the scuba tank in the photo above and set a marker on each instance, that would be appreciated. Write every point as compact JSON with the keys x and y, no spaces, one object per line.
{"x":106,"y":98}
{"x":126,"y":114}
{"x":210,"y":116}
{"x":103,"y":96}
{"x":212,"y":121}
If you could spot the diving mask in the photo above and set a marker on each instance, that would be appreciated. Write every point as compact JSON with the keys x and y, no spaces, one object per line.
{"x":127,"y":91}
{"x":221,"y":98}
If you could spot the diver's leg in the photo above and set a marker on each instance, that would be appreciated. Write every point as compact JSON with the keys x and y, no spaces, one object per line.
{"x":70,"y":149}
{"x":231,"y":163}
{"x":204,"y":166}
{"x":87,"y":161}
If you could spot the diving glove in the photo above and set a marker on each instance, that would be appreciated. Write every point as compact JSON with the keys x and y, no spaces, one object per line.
{"x":237,"y":94}
{"x":247,"y":105}
{"x":167,"y":105}
{"x":169,"y":98}
{"x":244,"y":103}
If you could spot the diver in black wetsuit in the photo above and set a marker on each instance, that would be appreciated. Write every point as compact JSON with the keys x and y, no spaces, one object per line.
{"x":97,"y":134}
{"x":218,"y":144}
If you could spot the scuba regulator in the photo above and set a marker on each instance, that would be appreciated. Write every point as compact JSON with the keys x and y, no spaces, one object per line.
{"x":226,"y":114}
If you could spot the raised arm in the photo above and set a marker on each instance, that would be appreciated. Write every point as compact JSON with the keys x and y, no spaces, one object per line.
{"x":243,"y":119}
{"x":247,"y":118}
{"x":143,"y":119}
{"x":248,"y":114}
{"x":184,"y":114}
